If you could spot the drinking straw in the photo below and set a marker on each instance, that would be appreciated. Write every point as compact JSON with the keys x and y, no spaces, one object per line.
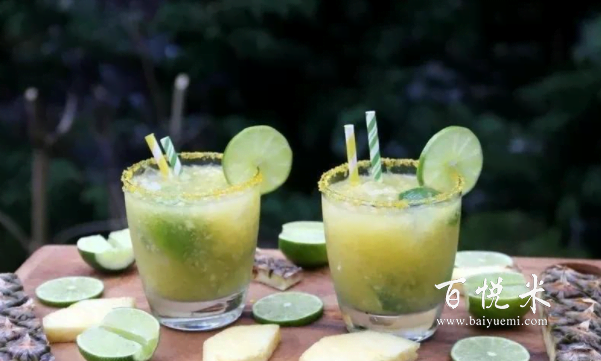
{"x":351,"y":153}
{"x":177,"y":105}
{"x":374,"y":145}
{"x":172,"y":158}
{"x":157,"y":154}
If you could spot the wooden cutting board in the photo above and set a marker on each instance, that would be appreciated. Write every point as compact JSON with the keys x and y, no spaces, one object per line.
{"x":58,"y":261}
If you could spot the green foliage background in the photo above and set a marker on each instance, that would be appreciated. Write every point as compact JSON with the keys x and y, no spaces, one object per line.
{"x":524,"y":76}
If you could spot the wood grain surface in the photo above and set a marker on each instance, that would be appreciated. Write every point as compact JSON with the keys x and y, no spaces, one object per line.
{"x":58,"y":261}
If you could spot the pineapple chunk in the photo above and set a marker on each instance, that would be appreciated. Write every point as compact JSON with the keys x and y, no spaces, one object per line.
{"x":102,"y":304}
{"x":242,"y":343}
{"x":362,"y":346}
{"x":66,"y":324}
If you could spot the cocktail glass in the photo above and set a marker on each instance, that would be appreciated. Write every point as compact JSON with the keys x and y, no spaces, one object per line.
{"x":386,"y":256}
{"x":194,"y":250}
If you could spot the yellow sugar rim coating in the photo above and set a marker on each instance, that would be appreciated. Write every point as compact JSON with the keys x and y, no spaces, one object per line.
{"x":131,"y":187}
{"x":387,"y":163}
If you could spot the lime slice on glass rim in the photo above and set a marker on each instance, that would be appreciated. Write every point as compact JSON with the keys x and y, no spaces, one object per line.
{"x":304,"y":243}
{"x":288,"y":309}
{"x":124,"y":334}
{"x":62,"y":292}
{"x":259,"y":147}
{"x":482,"y":259}
{"x":488,"y":348}
{"x":453,"y":149}
{"x":113,"y":255}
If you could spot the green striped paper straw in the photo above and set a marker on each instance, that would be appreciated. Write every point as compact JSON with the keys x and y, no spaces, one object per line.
{"x":172,"y":158}
{"x":374,"y":145}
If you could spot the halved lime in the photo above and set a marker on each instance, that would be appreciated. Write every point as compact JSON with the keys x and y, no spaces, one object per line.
{"x":513,"y":284}
{"x":61,"y":292}
{"x":259,"y":148}
{"x":288,"y":309}
{"x":304,"y":243}
{"x":124,"y":334}
{"x":113,"y":255}
{"x":135,"y":325}
{"x":453,"y":149}
{"x":481,"y":348}
{"x":482,"y":259}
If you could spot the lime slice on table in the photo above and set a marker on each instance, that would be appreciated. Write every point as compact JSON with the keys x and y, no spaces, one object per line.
{"x":288,"y":309}
{"x":65,"y":291}
{"x":113,"y":255}
{"x":513,"y":284}
{"x":481,"y":348}
{"x":451,"y":149}
{"x":124,"y":334}
{"x":260,"y":147}
{"x":304,"y":243}
{"x":482,"y":259}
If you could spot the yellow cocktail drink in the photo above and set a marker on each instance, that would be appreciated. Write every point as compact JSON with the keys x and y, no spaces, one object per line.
{"x":387,"y":254}
{"x":194,"y":238}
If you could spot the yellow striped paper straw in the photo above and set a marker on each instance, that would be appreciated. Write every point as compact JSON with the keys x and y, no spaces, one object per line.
{"x":157,"y":153}
{"x":172,"y":158}
{"x":351,"y":153}
{"x":374,"y":145}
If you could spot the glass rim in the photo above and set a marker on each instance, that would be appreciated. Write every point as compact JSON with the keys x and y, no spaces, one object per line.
{"x":130,"y":187}
{"x":325,"y":183}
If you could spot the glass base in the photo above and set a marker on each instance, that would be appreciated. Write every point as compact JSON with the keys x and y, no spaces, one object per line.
{"x":198,"y":316}
{"x":413,"y":326}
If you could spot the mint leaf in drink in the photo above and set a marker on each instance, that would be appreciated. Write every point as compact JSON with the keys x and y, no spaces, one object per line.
{"x":177,"y":238}
{"x":455,"y":218}
{"x":388,"y":302}
{"x":419,"y":193}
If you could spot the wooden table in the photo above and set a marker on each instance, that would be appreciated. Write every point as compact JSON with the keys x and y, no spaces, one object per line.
{"x":58,"y":261}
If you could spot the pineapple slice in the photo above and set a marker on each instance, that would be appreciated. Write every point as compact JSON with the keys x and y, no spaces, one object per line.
{"x":362,"y":346}
{"x":242,"y":343}
{"x":66,"y":324}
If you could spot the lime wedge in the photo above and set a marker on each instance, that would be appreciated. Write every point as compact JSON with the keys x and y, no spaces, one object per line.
{"x":135,"y":325}
{"x":288,"y":309}
{"x":120,"y":239}
{"x":98,"y":344}
{"x":513,"y":284}
{"x":488,"y":348}
{"x":451,"y":149}
{"x":65,"y":291}
{"x":260,"y":147}
{"x":113,"y":255}
{"x":124,"y":334}
{"x":482,"y":259}
{"x":304,"y":243}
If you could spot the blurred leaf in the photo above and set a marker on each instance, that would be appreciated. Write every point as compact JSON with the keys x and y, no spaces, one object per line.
{"x":588,"y":49}
{"x":62,"y":173}
{"x":591,"y":186}
{"x":97,"y":196}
